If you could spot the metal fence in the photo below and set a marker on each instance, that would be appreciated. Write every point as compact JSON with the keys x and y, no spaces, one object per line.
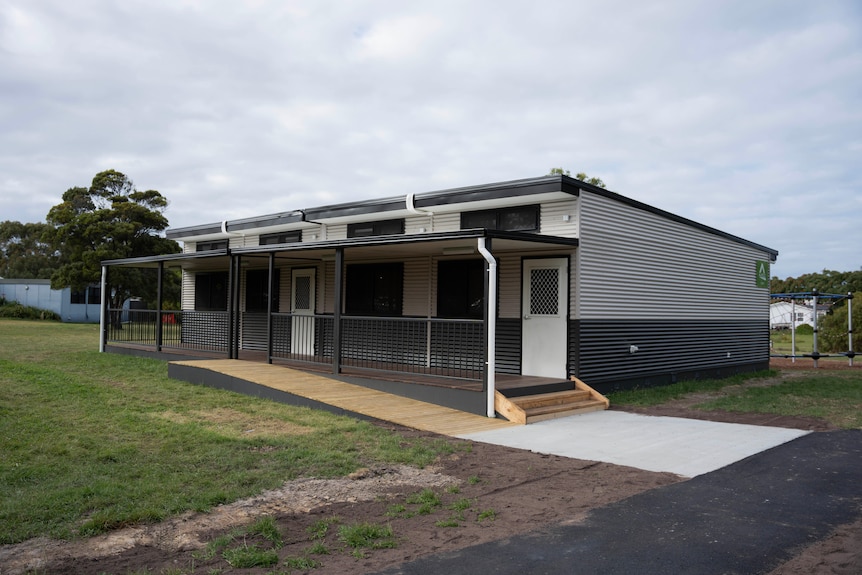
{"x":440,"y":347}
{"x":192,"y":330}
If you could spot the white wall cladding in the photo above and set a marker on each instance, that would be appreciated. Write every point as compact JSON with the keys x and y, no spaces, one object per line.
{"x":189,"y":247}
{"x":243,"y":241}
{"x":188,"y":291}
{"x":327,"y":304}
{"x":417,"y":290}
{"x":635,"y":264}
{"x":509,"y":277}
{"x":284,"y":290}
{"x":450,"y":222}
{"x":417,"y":224}
{"x":333,"y":232}
{"x":552,"y":218}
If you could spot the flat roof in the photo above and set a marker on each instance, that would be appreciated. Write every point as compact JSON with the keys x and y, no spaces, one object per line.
{"x":543,"y":187}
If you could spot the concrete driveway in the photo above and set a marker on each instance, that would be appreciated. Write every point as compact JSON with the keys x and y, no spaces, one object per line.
{"x":687,"y":447}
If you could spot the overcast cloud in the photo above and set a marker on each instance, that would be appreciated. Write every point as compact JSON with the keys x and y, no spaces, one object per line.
{"x":743,"y":115}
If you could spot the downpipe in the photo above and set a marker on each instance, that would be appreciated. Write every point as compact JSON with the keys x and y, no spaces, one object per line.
{"x":492,"y":324}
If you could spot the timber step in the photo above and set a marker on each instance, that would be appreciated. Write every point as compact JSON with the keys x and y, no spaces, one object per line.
{"x":579,"y":398}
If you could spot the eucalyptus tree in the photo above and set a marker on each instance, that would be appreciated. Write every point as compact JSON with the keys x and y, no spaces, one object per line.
{"x":109,"y":220}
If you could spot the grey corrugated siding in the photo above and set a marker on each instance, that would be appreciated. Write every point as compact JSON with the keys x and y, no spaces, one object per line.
{"x":636,"y":264}
{"x":665,"y":347}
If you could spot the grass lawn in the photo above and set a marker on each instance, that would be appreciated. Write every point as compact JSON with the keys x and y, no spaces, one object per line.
{"x":833,"y":395}
{"x":91,"y":442}
{"x":782,"y":342}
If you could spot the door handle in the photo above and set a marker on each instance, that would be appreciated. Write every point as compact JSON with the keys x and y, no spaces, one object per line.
{"x":527,"y":316}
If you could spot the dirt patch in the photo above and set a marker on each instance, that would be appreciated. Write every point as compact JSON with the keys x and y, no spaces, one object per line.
{"x":486,"y":493}
{"x":512,"y":490}
{"x":838,"y":554}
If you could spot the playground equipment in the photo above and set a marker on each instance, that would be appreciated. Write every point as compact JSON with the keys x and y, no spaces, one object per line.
{"x":814,"y":296}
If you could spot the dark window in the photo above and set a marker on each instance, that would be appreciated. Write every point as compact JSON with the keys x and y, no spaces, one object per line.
{"x":257,"y":290}
{"x":282,"y":238}
{"x":461,"y":288}
{"x":207,"y":246}
{"x":92,"y":295}
{"x":514,"y":219}
{"x":211,"y":292}
{"x":381,"y":228}
{"x":374,"y":289}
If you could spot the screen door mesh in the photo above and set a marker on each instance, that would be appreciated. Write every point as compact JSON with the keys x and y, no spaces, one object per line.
{"x":544,"y":291}
{"x":302,"y":293}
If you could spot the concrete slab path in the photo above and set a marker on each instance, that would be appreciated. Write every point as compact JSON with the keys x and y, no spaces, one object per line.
{"x":687,"y":447}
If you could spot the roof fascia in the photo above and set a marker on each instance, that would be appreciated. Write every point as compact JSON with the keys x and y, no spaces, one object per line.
{"x":167,"y":258}
{"x":407,"y":239}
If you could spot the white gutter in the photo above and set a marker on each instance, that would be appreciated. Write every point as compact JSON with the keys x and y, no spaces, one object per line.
{"x":225,"y":232}
{"x":411,"y":207}
{"x":492,"y":324}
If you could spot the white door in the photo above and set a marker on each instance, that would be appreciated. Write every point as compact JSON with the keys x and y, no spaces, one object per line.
{"x":302,"y":292}
{"x":544,"y":303}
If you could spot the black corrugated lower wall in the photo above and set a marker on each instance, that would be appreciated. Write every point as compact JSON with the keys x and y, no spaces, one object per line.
{"x":622,"y":354}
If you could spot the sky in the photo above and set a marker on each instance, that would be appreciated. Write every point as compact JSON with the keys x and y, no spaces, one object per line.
{"x":742,"y":115}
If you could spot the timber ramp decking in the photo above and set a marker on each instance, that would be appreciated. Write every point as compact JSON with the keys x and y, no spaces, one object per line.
{"x":350,"y":398}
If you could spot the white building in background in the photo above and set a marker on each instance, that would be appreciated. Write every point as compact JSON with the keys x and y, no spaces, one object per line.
{"x":786,"y":315}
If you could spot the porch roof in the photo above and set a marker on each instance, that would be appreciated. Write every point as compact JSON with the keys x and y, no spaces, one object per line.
{"x":459,"y":242}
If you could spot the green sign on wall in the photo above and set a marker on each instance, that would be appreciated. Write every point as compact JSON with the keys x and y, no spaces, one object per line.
{"x":762,"y":278}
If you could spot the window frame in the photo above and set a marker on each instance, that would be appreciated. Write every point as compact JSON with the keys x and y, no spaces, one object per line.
{"x":464,"y":277}
{"x":499,"y":214}
{"x":211,"y":245}
{"x":257,"y":290}
{"x":290,"y":237}
{"x":376,"y":228}
{"x":206,"y":301}
{"x":365,"y":290}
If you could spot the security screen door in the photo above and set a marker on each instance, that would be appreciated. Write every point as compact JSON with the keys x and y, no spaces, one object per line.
{"x":302,"y":308}
{"x":544,"y":306}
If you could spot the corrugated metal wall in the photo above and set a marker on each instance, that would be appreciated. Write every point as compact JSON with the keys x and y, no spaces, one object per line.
{"x":667,"y":349}
{"x":635,"y":264}
{"x":684,"y":298}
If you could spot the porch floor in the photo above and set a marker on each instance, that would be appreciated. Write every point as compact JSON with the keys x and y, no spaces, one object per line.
{"x":353,"y":398}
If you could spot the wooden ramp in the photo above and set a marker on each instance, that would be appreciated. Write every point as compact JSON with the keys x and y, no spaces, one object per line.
{"x":353,"y":398}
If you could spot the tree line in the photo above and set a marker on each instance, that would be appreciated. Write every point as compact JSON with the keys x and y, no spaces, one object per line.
{"x":110,"y":219}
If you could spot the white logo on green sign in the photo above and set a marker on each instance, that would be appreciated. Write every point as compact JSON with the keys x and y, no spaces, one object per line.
{"x":762,"y":280}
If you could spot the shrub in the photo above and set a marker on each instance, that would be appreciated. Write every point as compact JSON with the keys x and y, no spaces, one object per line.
{"x":805,"y":329}
{"x":11,"y":309}
{"x":832,"y":328}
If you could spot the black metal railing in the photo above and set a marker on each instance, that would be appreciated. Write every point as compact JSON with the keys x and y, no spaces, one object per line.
{"x":440,"y":347}
{"x":192,"y":330}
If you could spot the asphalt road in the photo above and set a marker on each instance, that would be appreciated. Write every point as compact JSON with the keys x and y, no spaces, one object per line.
{"x":748,"y":517}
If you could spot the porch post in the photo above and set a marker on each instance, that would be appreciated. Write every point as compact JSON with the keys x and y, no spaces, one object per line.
{"x":160,"y":276}
{"x":270,"y":294}
{"x":230,"y":295}
{"x":490,"y":324}
{"x":103,"y":316}
{"x":336,"y":312}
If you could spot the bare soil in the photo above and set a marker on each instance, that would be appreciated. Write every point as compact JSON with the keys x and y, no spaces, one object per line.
{"x":486,"y":493}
